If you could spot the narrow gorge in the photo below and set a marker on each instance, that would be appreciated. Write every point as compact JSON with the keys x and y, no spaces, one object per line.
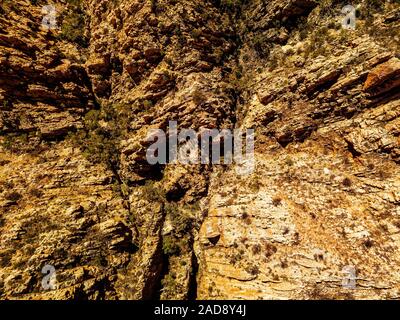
{"x":79,"y":95}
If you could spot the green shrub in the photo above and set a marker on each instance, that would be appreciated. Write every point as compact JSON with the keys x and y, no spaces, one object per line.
{"x":374,"y":4}
{"x":73,"y":24}
{"x":99,"y":143}
{"x":253,"y":270}
{"x":179,"y":217}
{"x":171,"y":246}
{"x":196,"y":33}
{"x":13,"y":196}
{"x":169,"y":283}
{"x":153,"y":193}
{"x":261,"y":45}
{"x":232,"y":6}
{"x":74,"y":3}
{"x":148,"y":104}
{"x":15,"y":142}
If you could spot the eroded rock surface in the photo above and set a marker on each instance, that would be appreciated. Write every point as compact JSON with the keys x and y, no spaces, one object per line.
{"x":76,"y":190}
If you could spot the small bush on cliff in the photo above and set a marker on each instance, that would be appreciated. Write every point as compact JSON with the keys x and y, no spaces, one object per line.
{"x":36,"y":193}
{"x":15,"y":142}
{"x":169,"y":281}
{"x":5,"y":258}
{"x":171,"y":246}
{"x":13,"y":196}
{"x":148,"y":104}
{"x":347,"y":182}
{"x":232,"y":6}
{"x":181,"y":221}
{"x":72,"y":29}
{"x":74,"y":3}
{"x":102,"y":133}
{"x":7,"y":5}
{"x":153,"y":193}
{"x":374,"y":4}
{"x":73,"y":24}
{"x":153,"y":4}
{"x":253,"y":270}
{"x":198,"y":97}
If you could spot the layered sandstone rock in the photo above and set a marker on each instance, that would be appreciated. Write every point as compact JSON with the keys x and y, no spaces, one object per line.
{"x":76,"y":190}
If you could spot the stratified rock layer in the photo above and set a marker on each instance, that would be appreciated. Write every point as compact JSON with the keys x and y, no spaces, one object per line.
{"x":76,"y":190}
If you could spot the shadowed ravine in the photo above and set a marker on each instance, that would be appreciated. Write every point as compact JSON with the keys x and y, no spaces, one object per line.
{"x":76,"y":190}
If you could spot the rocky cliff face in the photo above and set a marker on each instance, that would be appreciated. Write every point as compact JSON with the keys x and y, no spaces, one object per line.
{"x":76,"y":192}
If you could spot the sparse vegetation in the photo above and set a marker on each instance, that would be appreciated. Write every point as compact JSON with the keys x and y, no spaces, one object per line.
{"x":170,"y":283}
{"x":15,"y":142}
{"x":256,"y":249}
{"x":65,"y":206}
{"x":180,"y":219}
{"x":196,"y":33}
{"x":13,"y":196}
{"x":198,"y":97}
{"x":153,"y":193}
{"x":171,"y":245}
{"x":347,"y":182}
{"x":147,"y":104}
{"x":289,"y":161}
{"x":34,"y":192}
{"x":73,"y":24}
{"x":374,"y":4}
{"x":7,"y":5}
{"x":5,"y":258}
{"x":269,"y":249}
{"x":232,"y":6}
{"x":368,"y":243}
{"x":261,"y":45}
{"x":253,"y":270}
{"x":103,"y":131}
{"x":236,"y":257}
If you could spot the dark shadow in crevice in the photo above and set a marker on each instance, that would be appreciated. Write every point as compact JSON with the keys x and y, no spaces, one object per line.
{"x":192,"y":294}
